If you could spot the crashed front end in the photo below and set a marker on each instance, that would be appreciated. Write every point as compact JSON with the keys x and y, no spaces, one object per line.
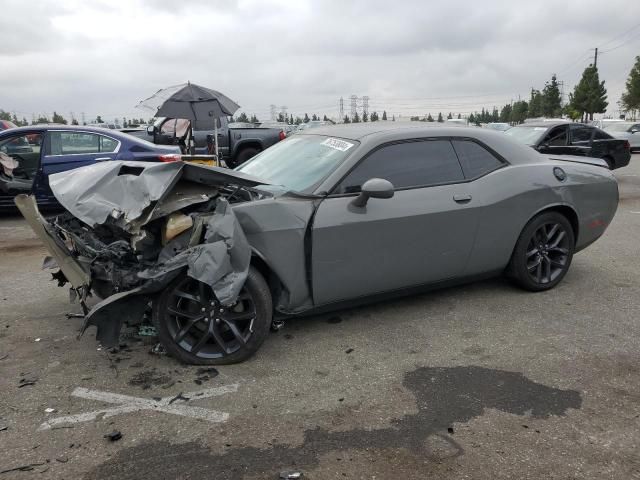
{"x":132,"y":227}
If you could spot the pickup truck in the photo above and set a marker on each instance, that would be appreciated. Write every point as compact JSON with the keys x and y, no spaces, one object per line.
{"x":235,"y":145}
{"x":568,"y":138}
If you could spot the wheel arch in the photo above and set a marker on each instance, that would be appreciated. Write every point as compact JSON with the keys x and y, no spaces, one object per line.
{"x":271,"y":277}
{"x":243,"y":145}
{"x":567,"y":211}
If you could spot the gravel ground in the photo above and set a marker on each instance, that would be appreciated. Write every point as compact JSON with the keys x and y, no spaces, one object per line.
{"x":483,"y":381}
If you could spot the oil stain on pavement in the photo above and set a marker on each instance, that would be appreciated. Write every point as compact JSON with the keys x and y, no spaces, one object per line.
{"x":444,"y":396}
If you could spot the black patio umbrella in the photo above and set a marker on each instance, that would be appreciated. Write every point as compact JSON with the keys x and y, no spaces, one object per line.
{"x":194,"y":102}
{"x":201,"y":105}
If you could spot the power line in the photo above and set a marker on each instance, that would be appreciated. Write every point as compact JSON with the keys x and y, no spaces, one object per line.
{"x":633,"y":37}
{"x":620,"y":36}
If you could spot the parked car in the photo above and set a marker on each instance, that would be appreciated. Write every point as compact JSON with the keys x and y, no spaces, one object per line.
{"x":6,"y":124}
{"x":41,"y":150}
{"x":629,"y":131}
{"x":501,"y":127}
{"x":334,"y":217}
{"x":236,"y":145}
{"x":568,"y":138}
{"x":314,"y":124}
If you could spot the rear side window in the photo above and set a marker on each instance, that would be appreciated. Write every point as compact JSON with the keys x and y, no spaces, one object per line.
{"x":475,"y":159}
{"x":77,"y":143}
{"x":407,"y":164}
{"x":600,"y":135}
{"x":581,"y":135}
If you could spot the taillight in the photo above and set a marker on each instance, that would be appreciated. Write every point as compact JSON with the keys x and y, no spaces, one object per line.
{"x":627,"y":145}
{"x":170,"y":157}
{"x":282,"y":135}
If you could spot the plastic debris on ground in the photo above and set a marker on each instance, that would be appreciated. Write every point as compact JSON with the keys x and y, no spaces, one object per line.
{"x":290,"y":475}
{"x":113,"y":436}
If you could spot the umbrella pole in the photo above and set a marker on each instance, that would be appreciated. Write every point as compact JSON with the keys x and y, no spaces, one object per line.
{"x":215,"y":139}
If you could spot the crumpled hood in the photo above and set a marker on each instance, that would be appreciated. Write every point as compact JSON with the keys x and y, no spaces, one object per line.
{"x":124,"y":189}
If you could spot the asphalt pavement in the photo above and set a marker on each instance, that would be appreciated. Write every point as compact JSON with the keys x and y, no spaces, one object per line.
{"x":483,"y":381}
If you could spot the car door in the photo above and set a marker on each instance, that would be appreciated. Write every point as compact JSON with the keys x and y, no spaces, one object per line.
{"x":68,"y":149}
{"x":580,"y":138}
{"x":423,"y":234}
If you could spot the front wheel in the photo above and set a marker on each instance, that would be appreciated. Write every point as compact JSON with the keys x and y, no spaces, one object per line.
{"x":543,"y":253}
{"x":196,"y":329}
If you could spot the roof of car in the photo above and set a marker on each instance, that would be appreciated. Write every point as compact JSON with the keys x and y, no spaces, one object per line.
{"x":550,"y":124}
{"x":83,"y":128}
{"x":360,"y":130}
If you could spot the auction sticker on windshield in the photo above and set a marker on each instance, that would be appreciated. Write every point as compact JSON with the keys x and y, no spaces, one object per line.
{"x":337,"y":144}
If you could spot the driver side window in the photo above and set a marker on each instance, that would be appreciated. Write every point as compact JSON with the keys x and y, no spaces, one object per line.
{"x":408,"y":164}
{"x":557,"y":137}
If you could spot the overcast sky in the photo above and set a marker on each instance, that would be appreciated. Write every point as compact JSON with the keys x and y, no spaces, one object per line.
{"x":410,"y":57}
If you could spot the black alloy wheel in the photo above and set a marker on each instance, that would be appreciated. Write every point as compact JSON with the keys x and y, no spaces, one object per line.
{"x":547,"y":253}
{"x":195,"y":328}
{"x":543,"y":253}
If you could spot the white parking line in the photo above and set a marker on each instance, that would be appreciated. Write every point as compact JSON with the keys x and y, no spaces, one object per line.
{"x":128,"y":404}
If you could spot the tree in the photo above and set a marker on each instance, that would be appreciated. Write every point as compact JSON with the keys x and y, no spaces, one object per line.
{"x":314,"y":117}
{"x":631,"y":96}
{"x":551,"y":101}
{"x":440,"y":119}
{"x":535,"y":104}
{"x":75,"y":122}
{"x":231,"y":120}
{"x":306,"y":118}
{"x":58,"y":119}
{"x":518,"y":112}
{"x":505,"y":113}
{"x":356,"y":118}
{"x":346,"y":119}
{"x":384,"y":115}
{"x":325,"y":118}
{"x":242,"y":118}
{"x":472,"y":119}
{"x":281,"y":117}
{"x":449,"y":117}
{"x":41,"y":119}
{"x":589,"y":95}
{"x":365,"y":117}
{"x":429,"y":118}
{"x":374,"y":117}
{"x":393,"y":118}
{"x":459,"y":116}
{"x":254,"y":119}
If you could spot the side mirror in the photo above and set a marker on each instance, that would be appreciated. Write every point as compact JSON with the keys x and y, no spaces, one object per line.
{"x":151,"y":130}
{"x":373,"y":188}
{"x":634,"y":130}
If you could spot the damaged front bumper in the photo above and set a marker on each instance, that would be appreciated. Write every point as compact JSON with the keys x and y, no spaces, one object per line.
{"x":169,"y":227}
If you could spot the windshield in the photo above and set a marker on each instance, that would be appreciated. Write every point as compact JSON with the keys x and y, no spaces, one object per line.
{"x":617,"y":127}
{"x":300,"y":162}
{"x":526,"y":135}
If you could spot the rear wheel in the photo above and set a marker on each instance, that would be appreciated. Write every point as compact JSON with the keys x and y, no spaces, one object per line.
{"x":543,"y":252}
{"x":195,"y":328}
{"x":242,"y":156}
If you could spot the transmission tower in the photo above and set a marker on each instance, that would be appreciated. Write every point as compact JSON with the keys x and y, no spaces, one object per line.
{"x":283,"y":111}
{"x":341,"y":105}
{"x":354,"y":106}
{"x":273,"y":109}
{"x":365,"y":105}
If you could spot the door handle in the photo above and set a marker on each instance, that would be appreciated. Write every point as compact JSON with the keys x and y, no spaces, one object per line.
{"x":102,"y":159}
{"x":462,"y":198}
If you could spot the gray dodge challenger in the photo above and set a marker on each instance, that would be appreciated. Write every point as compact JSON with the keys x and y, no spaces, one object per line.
{"x":336,"y":216}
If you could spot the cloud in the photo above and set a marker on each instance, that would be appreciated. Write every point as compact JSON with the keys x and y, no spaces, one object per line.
{"x":411,"y":57}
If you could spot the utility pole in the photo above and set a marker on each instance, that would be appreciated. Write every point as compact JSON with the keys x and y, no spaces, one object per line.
{"x":595,"y":58}
{"x":354,"y":106}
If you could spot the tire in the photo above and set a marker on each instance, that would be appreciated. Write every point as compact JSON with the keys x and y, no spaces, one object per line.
{"x":610,"y":162}
{"x":197,"y":341}
{"x":242,"y":156}
{"x":543,"y":252}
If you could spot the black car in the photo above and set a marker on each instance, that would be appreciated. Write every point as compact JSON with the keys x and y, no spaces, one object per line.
{"x":568,"y":138}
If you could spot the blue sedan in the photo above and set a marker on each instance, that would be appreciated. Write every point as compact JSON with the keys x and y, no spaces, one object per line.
{"x":28,"y":155}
